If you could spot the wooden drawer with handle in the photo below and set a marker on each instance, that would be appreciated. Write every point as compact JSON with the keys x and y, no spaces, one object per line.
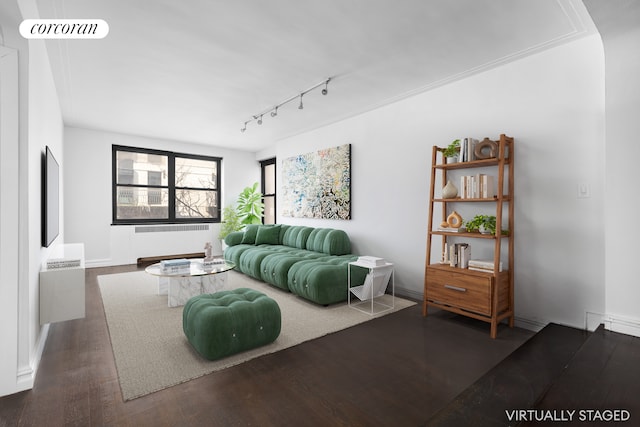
{"x":467,"y":292}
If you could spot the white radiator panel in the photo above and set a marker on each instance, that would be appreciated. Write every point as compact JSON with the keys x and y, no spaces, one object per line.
{"x":171,"y":228}
{"x":128,"y":243}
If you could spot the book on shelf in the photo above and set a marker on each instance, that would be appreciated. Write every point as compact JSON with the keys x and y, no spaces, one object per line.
{"x":464,"y":253}
{"x":467,"y":148}
{"x":452,"y":229}
{"x":479,"y":186}
{"x":483,"y":265}
{"x":487,"y":187}
{"x":457,"y":255}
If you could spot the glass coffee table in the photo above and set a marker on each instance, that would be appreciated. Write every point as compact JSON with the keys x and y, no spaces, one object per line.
{"x":199,"y":278}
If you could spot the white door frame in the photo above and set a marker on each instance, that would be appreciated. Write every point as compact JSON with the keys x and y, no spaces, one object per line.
{"x":9,"y":219}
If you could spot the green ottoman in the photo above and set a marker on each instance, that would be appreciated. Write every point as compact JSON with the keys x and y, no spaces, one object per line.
{"x":228,"y":322}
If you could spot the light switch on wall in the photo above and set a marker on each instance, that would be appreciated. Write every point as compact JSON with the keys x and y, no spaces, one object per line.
{"x":584,"y":190}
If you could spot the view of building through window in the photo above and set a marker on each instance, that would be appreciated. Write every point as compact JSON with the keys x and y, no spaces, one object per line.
{"x":156,"y":186}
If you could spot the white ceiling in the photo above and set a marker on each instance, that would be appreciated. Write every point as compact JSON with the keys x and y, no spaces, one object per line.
{"x":196,"y":70}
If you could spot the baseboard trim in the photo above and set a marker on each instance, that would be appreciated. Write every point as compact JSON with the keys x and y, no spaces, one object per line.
{"x":407,"y":293}
{"x":26,"y":375}
{"x":528,"y":324}
{"x":153,"y":259}
{"x":107,"y":262}
{"x":622,"y":325}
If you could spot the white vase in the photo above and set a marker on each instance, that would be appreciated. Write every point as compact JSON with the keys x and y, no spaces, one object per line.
{"x":449,"y":191}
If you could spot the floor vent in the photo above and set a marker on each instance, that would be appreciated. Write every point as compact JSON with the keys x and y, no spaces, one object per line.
{"x":166,"y":228}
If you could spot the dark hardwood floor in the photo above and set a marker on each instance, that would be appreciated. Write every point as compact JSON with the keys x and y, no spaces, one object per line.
{"x":398,"y":370}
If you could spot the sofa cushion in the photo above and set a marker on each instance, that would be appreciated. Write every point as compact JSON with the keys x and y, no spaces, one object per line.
{"x":268,"y":235}
{"x":234,"y":238}
{"x":329,"y":241}
{"x":296,"y":236}
{"x":323,"y":280}
{"x":250,"y":233}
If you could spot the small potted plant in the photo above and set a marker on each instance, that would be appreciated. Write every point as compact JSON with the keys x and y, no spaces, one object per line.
{"x":451,"y":152}
{"x":230,"y":222}
{"x":485,"y":224}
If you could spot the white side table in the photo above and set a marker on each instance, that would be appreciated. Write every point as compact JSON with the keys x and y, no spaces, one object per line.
{"x":372,"y":292}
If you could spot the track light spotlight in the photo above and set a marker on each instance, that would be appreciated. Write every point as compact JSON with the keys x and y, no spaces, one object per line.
{"x":274,"y":111}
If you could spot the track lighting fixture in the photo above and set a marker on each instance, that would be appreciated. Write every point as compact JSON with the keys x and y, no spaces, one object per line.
{"x":274,"y":111}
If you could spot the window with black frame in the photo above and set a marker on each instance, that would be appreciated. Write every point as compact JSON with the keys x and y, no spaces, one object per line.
{"x":269,"y":190}
{"x":153,"y":186}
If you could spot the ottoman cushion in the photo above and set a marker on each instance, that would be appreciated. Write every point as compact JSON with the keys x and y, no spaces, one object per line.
{"x":228,"y":322}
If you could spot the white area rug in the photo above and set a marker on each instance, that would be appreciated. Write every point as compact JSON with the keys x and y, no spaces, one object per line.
{"x":152,"y":353}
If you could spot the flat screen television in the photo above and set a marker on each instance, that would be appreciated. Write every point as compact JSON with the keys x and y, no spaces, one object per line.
{"x":50,"y":198}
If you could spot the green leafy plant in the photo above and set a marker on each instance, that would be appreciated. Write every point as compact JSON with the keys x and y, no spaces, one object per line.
{"x":230,"y":222}
{"x":250,"y":208}
{"x":452,"y":149}
{"x":486,"y":221}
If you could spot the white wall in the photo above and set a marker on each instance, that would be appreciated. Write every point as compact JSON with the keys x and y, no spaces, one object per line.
{"x":45,"y":128}
{"x":87,"y":200}
{"x":9,"y":216}
{"x":618,"y":26}
{"x":556,"y":115}
{"x":40,"y":124}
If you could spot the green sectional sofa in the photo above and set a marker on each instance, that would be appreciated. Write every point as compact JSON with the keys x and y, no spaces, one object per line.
{"x":310,"y":262}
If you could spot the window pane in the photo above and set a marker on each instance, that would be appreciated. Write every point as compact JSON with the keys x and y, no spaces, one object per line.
{"x":195,"y":173}
{"x":270,"y":179}
{"x":269,"y":210}
{"x":141,"y":168}
{"x":142,"y":203}
{"x":196,"y":204}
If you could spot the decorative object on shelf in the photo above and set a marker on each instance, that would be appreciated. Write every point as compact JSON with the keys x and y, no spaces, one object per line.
{"x":445,"y":254}
{"x":318,"y":184}
{"x":449,"y":191}
{"x":273,"y":111}
{"x":451,"y":152}
{"x":486,"y":149}
{"x":485,"y":224}
{"x":454,"y":220}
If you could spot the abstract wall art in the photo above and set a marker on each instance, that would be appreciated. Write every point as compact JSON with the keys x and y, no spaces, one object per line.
{"x":318,"y":184}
